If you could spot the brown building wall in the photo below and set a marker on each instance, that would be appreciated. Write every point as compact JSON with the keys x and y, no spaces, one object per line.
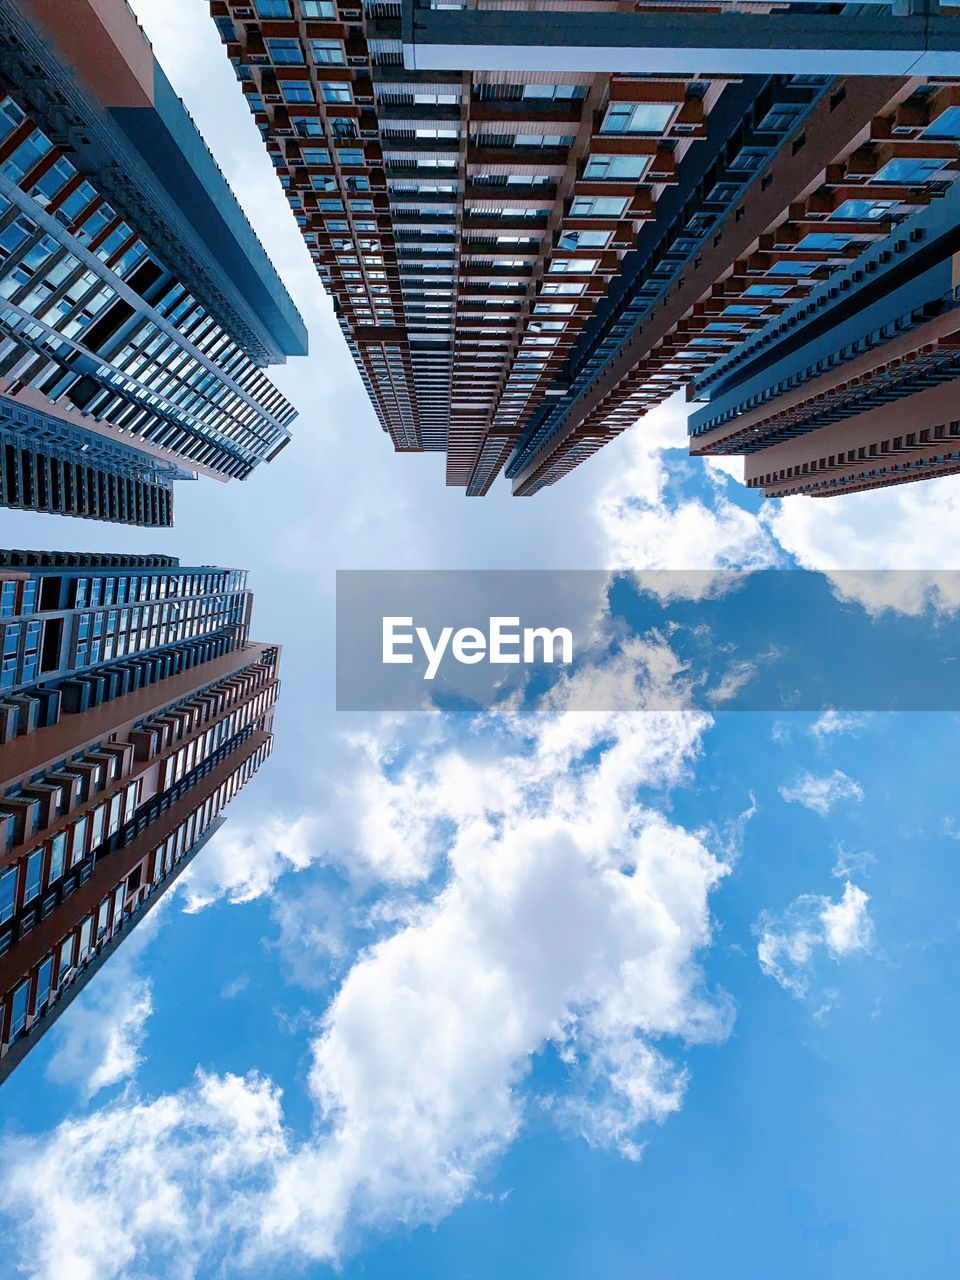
{"x":103,"y":43}
{"x":900,"y":425}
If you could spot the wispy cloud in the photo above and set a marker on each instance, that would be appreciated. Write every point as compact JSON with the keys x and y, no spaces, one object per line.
{"x":813,"y":925}
{"x":832,"y":723}
{"x":822,"y":793}
{"x":852,"y":862}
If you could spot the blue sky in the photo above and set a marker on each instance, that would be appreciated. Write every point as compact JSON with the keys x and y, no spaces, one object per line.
{"x":566,"y":996}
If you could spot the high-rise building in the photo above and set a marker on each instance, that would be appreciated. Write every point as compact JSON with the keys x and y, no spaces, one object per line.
{"x":855,"y":384}
{"x":537,"y":224}
{"x":137,"y":307}
{"x":133,"y":706}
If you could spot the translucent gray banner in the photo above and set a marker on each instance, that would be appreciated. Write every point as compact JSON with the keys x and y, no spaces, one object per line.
{"x":774,"y":640}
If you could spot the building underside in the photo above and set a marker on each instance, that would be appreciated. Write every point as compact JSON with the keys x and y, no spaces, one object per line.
{"x":538,"y":224}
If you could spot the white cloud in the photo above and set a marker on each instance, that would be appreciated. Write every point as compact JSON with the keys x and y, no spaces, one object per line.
{"x":846,"y":925}
{"x":101,"y":1042}
{"x":98,"y":1040}
{"x":906,"y":530}
{"x":821,"y":794}
{"x":833,"y":722}
{"x":145,"y":1188}
{"x":241,"y":863}
{"x":559,"y":910}
{"x":791,"y":943}
{"x":851,"y":862}
{"x":235,"y":986}
{"x":646,"y":522}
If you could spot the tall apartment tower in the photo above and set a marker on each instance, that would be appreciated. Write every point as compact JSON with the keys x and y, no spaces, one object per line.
{"x":539,"y":222}
{"x":133,"y":706}
{"x":137,"y":307}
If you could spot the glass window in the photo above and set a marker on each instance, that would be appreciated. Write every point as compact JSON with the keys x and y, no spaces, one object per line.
{"x":318,"y":8}
{"x":79,"y":844}
{"x":130,"y":801}
{"x":560,"y":92}
{"x":573,"y":266}
{"x":544,"y":139}
{"x":307,"y":127}
{"x":766,"y":290}
{"x":116,"y":808}
{"x":320,"y":155}
{"x":285,"y":52}
{"x":584,"y":239}
{"x":86,"y":933}
{"x":299,"y":91}
{"x":273,"y":8}
{"x":55,"y":178}
{"x":436,"y":99}
{"x":96,"y":825}
{"x":909,"y":171}
{"x":863,"y":210}
{"x":824,"y":242}
{"x":34,"y":875}
{"x":18,"y":1010}
{"x":32,"y":149}
{"x":637,"y":117}
{"x":598,"y":206}
{"x":44,"y":981}
{"x":334,"y":91}
{"x":613,"y":168}
{"x":103,"y":917}
{"x":11,"y":117}
{"x":66,"y":958}
{"x":58,"y":856}
{"x":788,"y":268}
{"x":8,"y":893}
{"x":329,"y":51}
{"x":946,"y":125}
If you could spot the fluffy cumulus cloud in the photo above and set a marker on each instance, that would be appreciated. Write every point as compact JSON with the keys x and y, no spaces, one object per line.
{"x":378,"y":819}
{"x":821,"y":793}
{"x":146,"y":1188}
{"x":243,"y":862}
{"x":648,"y":521}
{"x":791,"y":944}
{"x":884,"y":550}
{"x":560,"y":908}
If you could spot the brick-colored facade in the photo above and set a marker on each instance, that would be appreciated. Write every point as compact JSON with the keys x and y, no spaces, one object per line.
{"x":524,"y":262}
{"x":115,"y":764}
